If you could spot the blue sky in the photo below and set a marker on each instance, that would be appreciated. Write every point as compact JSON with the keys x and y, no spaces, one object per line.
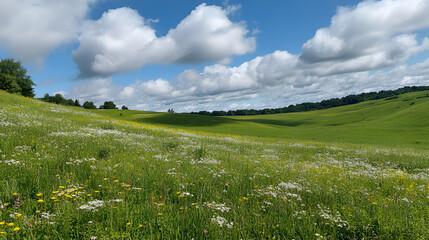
{"x":216,"y":55}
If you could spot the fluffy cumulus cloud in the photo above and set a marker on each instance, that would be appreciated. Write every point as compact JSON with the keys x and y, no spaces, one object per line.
{"x":190,"y":92}
{"x":121,"y":41}
{"x":334,"y":63}
{"x":372,"y":35}
{"x":30,"y":29}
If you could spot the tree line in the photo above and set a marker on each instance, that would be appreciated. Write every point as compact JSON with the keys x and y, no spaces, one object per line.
{"x":59,"y":99}
{"x":310,"y":106}
{"x":14,"y":79}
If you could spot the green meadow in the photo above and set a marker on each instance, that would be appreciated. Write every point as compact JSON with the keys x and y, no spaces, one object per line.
{"x":391,"y":122}
{"x":353,"y":172}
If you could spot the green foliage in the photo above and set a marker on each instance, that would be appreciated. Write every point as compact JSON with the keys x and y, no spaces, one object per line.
{"x":14,"y":78}
{"x":108,"y":105}
{"x":380,"y":122}
{"x":89,"y":105}
{"x":59,"y":99}
{"x":307,"y":106}
{"x":124,"y":107}
{"x":103,"y":153}
{"x":66,"y":173}
{"x":199,"y":153}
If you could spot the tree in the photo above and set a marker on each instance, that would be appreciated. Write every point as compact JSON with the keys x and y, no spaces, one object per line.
{"x":108,"y":105}
{"x":170,"y":111}
{"x":14,"y":78}
{"x":89,"y":105}
{"x":124,"y":107}
{"x":77,"y":103}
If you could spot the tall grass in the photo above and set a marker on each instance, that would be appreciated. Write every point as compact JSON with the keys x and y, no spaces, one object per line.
{"x":72,"y":174}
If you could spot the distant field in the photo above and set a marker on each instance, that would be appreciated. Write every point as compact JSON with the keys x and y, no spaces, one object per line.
{"x":391,"y":122}
{"x":69,"y":173}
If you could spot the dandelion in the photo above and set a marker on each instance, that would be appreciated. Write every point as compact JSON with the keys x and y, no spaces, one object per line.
{"x":160,"y":214}
{"x":374,"y":203}
{"x":37,"y":211}
{"x":40,"y":201}
{"x":128,"y":224}
{"x":39,"y":194}
{"x":62,"y":187}
{"x":53,"y":198}
{"x":10,"y":224}
{"x":2,"y":223}
{"x":16,"y":229}
{"x":14,"y":194}
{"x":2,"y":232}
{"x":140,"y":225}
{"x":18,"y":215}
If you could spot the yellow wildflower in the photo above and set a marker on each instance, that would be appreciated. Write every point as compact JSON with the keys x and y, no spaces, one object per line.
{"x":39,"y":194}
{"x":10,"y":224}
{"x":14,"y":194}
{"x":16,"y":229}
{"x":1,"y":223}
{"x":40,"y":201}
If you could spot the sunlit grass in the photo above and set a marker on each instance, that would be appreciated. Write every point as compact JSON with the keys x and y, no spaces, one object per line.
{"x":399,"y":122}
{"x":72,"y":174}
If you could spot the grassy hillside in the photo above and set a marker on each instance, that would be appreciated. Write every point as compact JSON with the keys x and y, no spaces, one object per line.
{"x":66,"y":173}
{"x":391,"y":122}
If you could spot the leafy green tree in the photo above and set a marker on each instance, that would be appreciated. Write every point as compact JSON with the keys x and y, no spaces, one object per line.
{"x":108,"y":105}
{"x":124,"y":107}
{"x":89,"y":105}
{"x":14,"y":78}
{"x":76,"y":103}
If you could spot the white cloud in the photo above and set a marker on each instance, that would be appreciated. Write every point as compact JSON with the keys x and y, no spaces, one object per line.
{"x":349,"y":57}
{"x":31,"y":29}
{"x":372,"y":35}
{"x":120,"y":41}
{"x":221,"y":88}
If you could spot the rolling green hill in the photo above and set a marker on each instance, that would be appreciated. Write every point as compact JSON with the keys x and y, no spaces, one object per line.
{"x":69,"y":173}
{"x":392,"y":122}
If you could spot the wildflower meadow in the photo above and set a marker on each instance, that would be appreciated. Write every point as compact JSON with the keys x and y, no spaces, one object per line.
{"x":67,"y":173}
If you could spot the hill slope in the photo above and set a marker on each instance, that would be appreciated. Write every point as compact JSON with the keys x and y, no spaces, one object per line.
{"x":401,"y":121}
{"x":66,"y":173}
